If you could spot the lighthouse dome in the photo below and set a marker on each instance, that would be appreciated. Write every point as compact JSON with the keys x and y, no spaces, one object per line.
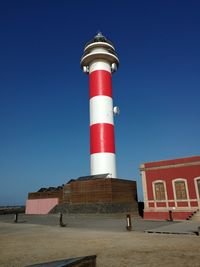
{"x":99,"y":38}
{"x":99,"y":48}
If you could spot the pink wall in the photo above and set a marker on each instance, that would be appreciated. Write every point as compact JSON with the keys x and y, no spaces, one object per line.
{"x":40,"y":206}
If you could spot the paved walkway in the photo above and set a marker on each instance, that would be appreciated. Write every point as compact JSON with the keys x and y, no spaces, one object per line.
{"x":184,"y":227}
{"x":112,"y":223}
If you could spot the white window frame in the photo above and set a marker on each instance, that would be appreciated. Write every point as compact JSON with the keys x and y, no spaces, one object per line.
{"x":154,"y":193}
{"x":197,"y":190}
{"x":187,"y":192}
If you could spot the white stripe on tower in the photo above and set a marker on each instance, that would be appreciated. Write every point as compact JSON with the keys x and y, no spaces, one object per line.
{"x":101,"y":110}
{"x":102,"y":144}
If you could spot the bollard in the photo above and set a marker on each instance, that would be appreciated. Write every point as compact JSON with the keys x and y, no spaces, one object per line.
{"x":170,"y":216}
{"x":16,"y":218}
{"x":128,"y":222}
{"x":198,"y":230}
{"x":61,"y":220}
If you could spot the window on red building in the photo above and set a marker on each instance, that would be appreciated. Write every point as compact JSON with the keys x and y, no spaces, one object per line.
{"x":198,"y":185}
{"x":159,"y":191}
{"x":180,"y":189}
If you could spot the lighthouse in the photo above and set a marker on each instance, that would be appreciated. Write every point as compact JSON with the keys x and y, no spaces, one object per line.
{"x":98,"y":192}
{"x":99,"y":61}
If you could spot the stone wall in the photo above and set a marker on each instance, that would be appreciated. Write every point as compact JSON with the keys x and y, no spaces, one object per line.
{"x":96,"y":208}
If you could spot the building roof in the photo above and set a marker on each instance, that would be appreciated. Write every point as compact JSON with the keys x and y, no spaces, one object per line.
{"x":170,"y":162}
{"x":50,"y":189}
{"x":89,"y":177}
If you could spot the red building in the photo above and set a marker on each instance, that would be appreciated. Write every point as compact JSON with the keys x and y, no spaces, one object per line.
{"x":171,"y":187}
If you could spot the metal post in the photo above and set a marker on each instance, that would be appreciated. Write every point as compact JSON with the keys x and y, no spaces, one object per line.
{"x":16,"y":218}
{"x":128,"y":222}
{"x":198,"y":230}
{"x":170,"y":216}
{"x":61,"y":221}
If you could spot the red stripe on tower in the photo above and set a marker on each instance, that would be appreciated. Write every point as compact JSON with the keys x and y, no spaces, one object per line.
{"x":100,"y":83}
{"x":102,"y":138}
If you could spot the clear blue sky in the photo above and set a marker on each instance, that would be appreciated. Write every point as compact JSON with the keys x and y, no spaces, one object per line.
{"x":44,"y":107}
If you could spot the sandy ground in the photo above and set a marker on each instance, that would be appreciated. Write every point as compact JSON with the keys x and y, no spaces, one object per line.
{"x":24,"y":244}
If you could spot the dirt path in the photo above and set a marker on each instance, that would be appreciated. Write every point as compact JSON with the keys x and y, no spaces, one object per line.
{"x":24,"y":244}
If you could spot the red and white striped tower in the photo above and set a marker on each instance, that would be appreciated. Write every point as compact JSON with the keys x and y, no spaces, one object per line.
{"x":99,"y":61}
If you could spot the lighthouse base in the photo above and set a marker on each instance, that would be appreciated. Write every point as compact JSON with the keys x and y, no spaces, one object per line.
{"x":98,"y":195}
{"x":91,"y":194}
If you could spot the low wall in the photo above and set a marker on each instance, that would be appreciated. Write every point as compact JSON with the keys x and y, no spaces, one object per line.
{"x":88,"y":261}
{"x":96,"y":208}
{"x":12,"y":210}
{"x":176,"y":215}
